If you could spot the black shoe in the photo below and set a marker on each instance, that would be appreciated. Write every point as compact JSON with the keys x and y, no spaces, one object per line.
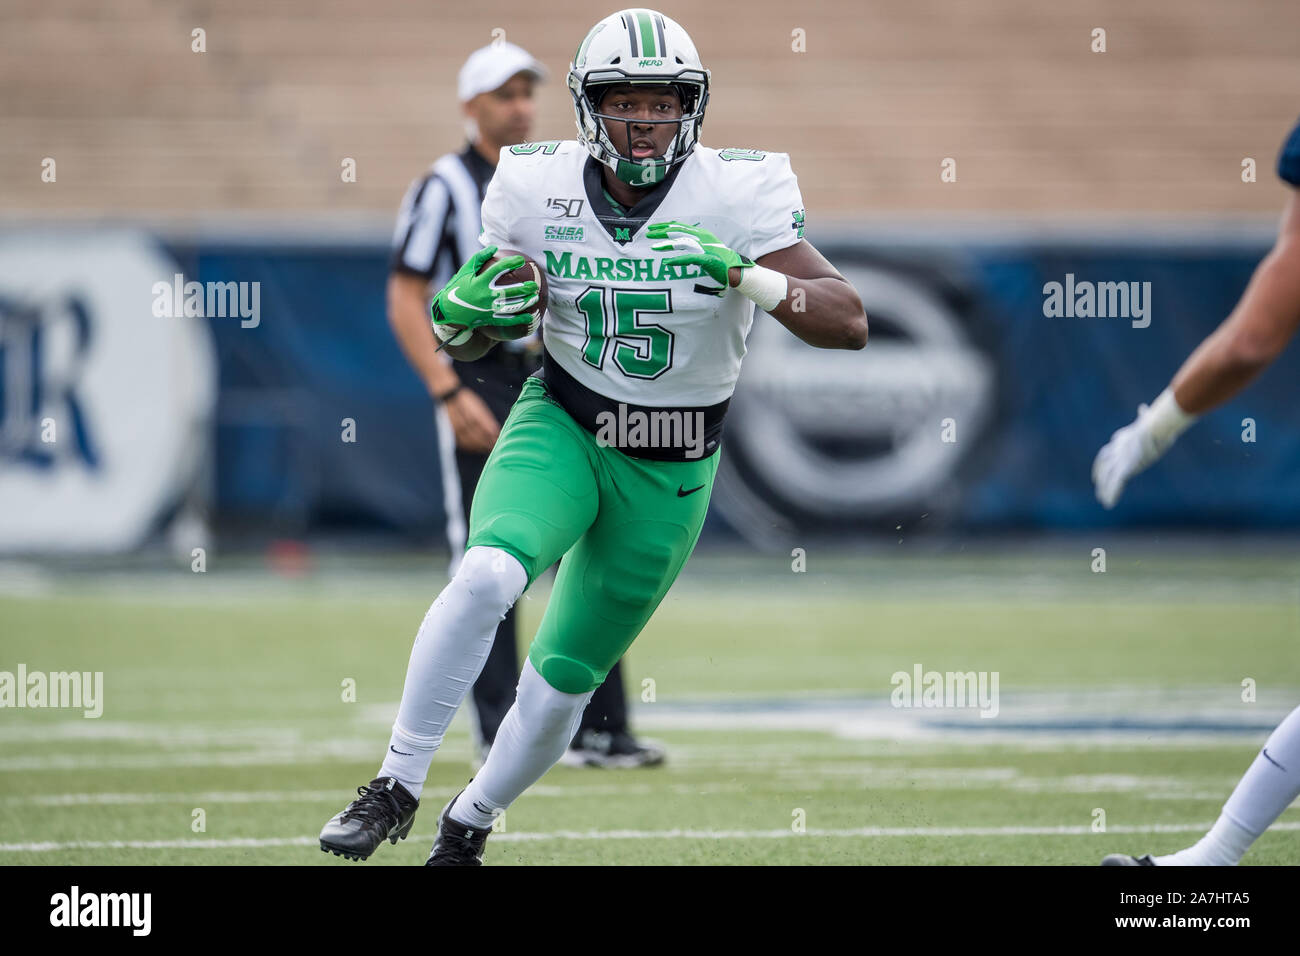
{"x":457,"y":844}
{"x":385,"y":810}
{"x":1120,"y":859}
{"x":599,"y":748}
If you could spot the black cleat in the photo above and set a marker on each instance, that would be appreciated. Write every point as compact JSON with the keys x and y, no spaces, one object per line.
{"x":1120,"y":859}
{"x":384,"y":810}
{"x":457,"y":844}
{"x":599,"y":748}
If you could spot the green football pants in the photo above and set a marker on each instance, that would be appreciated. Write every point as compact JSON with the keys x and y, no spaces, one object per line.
{"x":623,"y":526}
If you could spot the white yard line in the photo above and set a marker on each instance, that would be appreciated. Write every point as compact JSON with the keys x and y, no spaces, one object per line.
{"x":854,"y":833}
{"x":816,"y":778}
{"x":76,"y":762}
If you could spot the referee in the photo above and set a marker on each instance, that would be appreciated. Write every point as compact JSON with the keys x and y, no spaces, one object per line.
{"x":437,"y":230}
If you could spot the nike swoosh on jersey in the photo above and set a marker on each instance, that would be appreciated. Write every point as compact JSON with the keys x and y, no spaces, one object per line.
{"x":683,"y":494}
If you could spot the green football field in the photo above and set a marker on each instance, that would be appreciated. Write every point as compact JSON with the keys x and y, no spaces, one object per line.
{"x":241,"y":709}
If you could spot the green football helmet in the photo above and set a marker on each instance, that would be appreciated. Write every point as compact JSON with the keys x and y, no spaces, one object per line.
{"x":638,"y":46}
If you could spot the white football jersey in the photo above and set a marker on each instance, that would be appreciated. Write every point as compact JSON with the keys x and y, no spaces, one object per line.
{"x":618,"y":320}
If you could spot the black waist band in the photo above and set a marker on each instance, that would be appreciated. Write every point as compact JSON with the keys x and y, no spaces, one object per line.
{"x":675,"y":433}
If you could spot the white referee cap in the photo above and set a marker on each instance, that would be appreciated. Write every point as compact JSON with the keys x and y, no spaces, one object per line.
{"x":489,"y":68}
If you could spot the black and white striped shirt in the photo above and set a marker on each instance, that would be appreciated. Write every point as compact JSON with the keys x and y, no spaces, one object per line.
{"x":438,"y":229}
{"x":438,"y":226}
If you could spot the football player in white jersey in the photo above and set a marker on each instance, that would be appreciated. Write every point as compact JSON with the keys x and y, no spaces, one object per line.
{"x":656,"y":251}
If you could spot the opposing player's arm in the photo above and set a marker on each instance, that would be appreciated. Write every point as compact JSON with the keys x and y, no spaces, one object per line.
{"x":1256,"y":332}
{"x":821,"y":307}
{"x":1259,"y":328}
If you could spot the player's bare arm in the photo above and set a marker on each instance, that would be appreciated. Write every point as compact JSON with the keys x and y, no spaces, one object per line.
{"x":821,"y":307}
{"x":1259,"y":328}
{"x":1256,"y":332}
{"x":795,"y":284}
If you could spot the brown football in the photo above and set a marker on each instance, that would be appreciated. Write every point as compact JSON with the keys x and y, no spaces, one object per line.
{"x":529,"y":270}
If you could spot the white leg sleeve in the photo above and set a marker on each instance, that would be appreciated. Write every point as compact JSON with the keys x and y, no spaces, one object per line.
{"x":450,"y":649}
{"x":532,"y":737}
{"x":1270,"y":784}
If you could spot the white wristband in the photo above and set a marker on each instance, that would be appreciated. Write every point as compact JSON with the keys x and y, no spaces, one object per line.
{"x":1165,"y":420}
{"x":766,"y":287}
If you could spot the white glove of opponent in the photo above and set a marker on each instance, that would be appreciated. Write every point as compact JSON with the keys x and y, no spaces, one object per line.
{"x":1137,"y":446}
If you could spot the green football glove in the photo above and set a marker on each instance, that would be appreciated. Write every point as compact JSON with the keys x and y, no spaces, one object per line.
{"x":472,"y":298}
{"x":702,"y":249}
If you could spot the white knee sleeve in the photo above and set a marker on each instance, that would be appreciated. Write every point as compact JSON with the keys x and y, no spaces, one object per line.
{"x":491,"y":579}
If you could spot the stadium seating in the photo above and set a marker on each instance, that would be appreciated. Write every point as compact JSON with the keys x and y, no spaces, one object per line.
{"x":261,"y":121}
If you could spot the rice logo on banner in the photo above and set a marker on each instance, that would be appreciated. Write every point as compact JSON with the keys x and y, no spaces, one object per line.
{"x":103,"y":404}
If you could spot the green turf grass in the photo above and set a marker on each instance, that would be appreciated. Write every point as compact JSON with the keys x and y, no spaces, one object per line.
{"x":231,"y":700}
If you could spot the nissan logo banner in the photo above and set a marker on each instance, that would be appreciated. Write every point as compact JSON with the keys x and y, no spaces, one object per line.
{"x":822,"y":440}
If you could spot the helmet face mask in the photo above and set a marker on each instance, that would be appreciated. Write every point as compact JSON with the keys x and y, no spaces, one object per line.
{"x":640,"y":48}
{"x":649,"y":170}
